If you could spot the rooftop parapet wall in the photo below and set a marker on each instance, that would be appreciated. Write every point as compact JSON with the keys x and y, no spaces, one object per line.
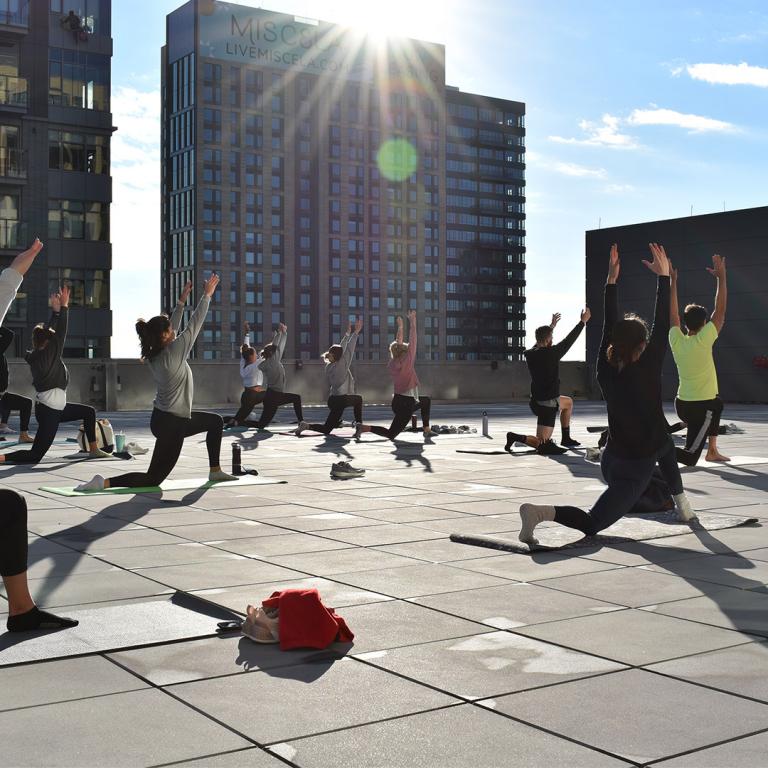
{"x":127,"y":385}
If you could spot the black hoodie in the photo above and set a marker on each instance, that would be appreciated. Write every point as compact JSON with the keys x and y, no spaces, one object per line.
{"x":48,"y":370}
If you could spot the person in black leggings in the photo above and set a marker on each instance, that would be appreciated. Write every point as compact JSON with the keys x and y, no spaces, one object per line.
{"x":8,"y":400}
{"x":273,"y":369}
{"x":23,"y":614}
{"x":629,"y":373}
{"x":338,"y":359}
{"x":50,"y":378}
{"x":172,"y":419}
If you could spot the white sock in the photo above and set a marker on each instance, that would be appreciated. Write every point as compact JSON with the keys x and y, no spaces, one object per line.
{"x":96,"y":484}
{"x":685,"y":511}
{"x":532,"y":515}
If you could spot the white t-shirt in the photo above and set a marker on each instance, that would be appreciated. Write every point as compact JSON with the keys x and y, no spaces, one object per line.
{"x":53,"y":398}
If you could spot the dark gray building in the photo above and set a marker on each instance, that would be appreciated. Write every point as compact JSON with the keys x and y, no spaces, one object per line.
{"x":328,"y":176}
{"x":55,"y":129}
{"x":740,"y":236}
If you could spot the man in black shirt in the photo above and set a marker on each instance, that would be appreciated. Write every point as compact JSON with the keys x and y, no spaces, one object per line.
{"x":544,"y":365}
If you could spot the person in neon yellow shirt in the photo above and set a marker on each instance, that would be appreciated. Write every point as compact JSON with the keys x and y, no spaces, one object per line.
{"x":698,"y":403}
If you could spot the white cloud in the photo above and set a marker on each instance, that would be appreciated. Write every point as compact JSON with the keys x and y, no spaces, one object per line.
{"x":135,"y":213}
{"x":618,"y":189}
{"x":730,"y":74}
{"x":580,"y":171}
{"x":606,"y":133}
{"x":694,"y":123}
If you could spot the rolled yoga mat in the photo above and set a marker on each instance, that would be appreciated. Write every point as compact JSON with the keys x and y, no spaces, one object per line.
{"x":188,"y":484}
{"x":646,"y":528}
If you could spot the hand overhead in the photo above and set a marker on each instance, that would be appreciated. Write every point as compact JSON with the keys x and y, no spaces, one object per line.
{"x":586,"y":315}
{"x":718,"y":266}
{"x":209,"y":287}
{"x":614,"y":265}
{"x":660,"y":264}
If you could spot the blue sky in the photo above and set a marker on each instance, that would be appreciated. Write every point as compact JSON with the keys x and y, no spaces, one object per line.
{"x":636,"y":112}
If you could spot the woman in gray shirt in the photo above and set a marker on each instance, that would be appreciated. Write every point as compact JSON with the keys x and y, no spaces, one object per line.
{"x":274,"y":376}
{"x":172,"y":418}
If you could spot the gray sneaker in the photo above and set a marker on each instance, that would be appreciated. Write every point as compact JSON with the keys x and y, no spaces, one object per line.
{"x":344,"y":470}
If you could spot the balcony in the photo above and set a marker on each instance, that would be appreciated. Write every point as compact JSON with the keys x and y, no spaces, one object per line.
{"x":13,"y":164}
{"x":14,"y":16}
{"x":13,"y":91}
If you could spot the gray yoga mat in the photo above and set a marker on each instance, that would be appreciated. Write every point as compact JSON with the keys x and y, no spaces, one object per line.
{"x":631,"y":528}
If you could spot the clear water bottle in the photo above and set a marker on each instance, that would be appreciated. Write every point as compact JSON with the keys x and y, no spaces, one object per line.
{"x":237,"y":466}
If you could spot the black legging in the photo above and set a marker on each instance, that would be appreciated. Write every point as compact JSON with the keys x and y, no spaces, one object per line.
{"x":404,"y":407}
{"x":627,"y":481}
{"x":248,"y":401}
{"x":48,"y":420}
{"x":13,"y":533}
{"x":273,"y":399}
{"x":170,"y":431}
{"x":11,"y":402}
{"x":702,"y":417}
{"x":337,"y":404}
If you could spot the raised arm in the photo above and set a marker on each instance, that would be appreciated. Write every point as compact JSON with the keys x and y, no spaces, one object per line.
{"x":721,"y":291}
{"x":399,"y":335}
{"x":413,"y":335}
{"x":674,"y":307}
{"x":182,"y":344}
{"x":24,"y":260}
{"x":657,"y":344}
{"x":563,"y":346}
{"x":61,"y":322}
{"x":178,"y":311}
{"x":6,"y":337}
{"x":610,"y":305}
{"x":246,"y":336}
{"x":280,"y":340}
{"x":349,"y":347}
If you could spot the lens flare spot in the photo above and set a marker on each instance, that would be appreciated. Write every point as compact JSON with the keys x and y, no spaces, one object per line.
{"x":397,"y":159}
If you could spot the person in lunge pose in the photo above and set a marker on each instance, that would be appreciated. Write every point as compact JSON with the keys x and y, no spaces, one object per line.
{"x":629,"y":374}
{"x":698,"y":403}
{"x":8,"y":400}
{"x":273,"y":369}
{"x":50,"y":378}
{"x":166,"y":353}
{"x":23,"y":614}
{"x":544,"y":366}
{"x":253,"y":382}
{"x":342,"y":395}
{"x":406,"y":400}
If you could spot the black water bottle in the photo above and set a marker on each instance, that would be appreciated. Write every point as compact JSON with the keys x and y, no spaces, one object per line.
{"x":237,"y":467}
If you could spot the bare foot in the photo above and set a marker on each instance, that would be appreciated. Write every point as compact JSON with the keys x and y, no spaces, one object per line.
{"x":26,"y":439}
{"x":716,"y":457}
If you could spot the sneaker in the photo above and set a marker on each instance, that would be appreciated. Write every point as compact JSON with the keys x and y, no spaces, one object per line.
{"x":135,"y":449}
{"x":6,"y":430}
{"x":259,"y":627}
{"x":593,"y":455}
{"x":548,"y":448}
{"x":96,"y":484}
{"x":344,"y":470}
{"x":570,"y":443}
{"x":99,"y":454}
{"x":301,"y":428}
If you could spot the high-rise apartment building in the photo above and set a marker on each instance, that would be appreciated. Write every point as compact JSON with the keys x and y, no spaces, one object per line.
{"x":327,"y":175}
{"x":55,"y":130}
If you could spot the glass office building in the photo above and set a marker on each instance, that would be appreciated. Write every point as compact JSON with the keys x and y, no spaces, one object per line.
{"x":326,"y":175}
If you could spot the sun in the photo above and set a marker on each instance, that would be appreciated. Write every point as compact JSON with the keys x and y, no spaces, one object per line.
{"x":393,"y":19}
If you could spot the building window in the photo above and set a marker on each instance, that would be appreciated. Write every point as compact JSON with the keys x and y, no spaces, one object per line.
{"x":78,"y":152}
{"x":78,"y":220}
{"x":78,"y":79}
{"x":90,"y":287}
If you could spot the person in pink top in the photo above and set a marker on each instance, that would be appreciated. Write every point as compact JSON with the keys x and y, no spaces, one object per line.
{"x":406,"y":400}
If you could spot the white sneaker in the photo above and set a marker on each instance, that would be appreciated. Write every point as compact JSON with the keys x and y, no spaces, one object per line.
{"x":685,"y":512}
{"x":96,"y":484}
{"x":6,"y":430}
{"x":135,"y":449}
{"x":303,"y":426}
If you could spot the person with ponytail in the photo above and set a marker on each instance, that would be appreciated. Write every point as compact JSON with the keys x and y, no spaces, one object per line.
{"x":272,"y":367}
{"x":406,"y":400}
{"x":341,"y":383}
{"x":629,"y":374}
{"x":165,"y":351}
{"x":253,"y":383}
{"x":50,"y":378}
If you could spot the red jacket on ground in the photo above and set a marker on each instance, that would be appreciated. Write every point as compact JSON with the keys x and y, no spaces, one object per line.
{"x":305,"y":622}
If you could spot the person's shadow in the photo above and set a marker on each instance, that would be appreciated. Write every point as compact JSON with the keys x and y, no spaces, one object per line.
{"x":410,"y":453}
